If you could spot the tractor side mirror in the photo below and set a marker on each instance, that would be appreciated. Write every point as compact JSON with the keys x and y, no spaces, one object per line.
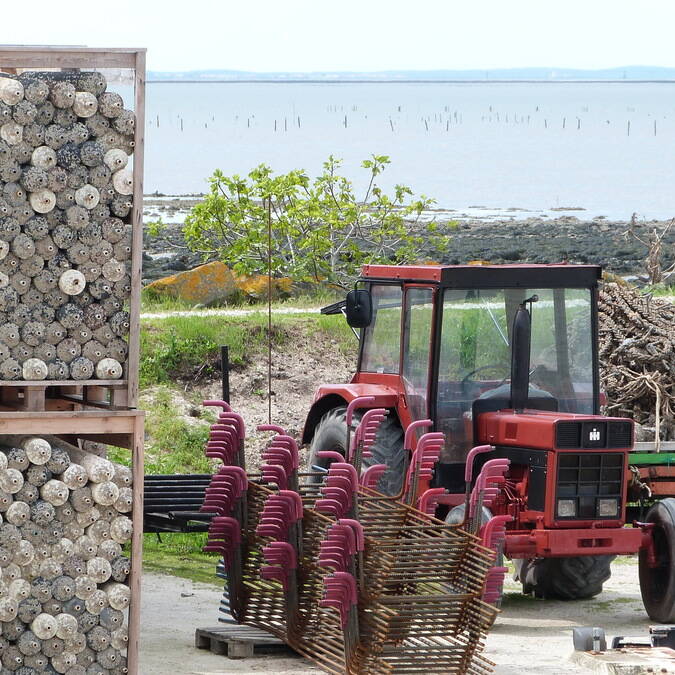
{"x":359,"y":308}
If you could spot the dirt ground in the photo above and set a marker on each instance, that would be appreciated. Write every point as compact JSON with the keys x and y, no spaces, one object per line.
{"x":530,"y":636}
{"x":298,"y":369}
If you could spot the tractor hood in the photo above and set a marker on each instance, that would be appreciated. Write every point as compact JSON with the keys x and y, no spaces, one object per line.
{"x":545,"y":430}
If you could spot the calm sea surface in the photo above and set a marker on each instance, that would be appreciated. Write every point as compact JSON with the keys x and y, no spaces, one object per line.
{"x":498,"y":146}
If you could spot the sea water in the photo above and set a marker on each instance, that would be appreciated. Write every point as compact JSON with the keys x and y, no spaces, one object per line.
{"x":477,"y":148}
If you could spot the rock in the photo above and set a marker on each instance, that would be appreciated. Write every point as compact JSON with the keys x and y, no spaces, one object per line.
{"x":255,"y":287}
{"x":208,"y":284}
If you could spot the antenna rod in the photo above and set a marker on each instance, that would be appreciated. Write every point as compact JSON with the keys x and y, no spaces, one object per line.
{"x":269,"y":309}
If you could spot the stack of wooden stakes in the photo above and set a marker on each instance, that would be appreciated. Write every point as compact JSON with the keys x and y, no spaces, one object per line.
{"x":72,"y":522}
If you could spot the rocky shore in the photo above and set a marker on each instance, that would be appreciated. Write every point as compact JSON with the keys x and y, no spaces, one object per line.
{"x":508,"y":240}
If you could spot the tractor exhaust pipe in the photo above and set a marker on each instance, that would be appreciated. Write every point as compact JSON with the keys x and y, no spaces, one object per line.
{"x":520,"y":356}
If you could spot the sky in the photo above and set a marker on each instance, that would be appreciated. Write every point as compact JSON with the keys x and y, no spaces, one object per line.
{"x":356,"y":35}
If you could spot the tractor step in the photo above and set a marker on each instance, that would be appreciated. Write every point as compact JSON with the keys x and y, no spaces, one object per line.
{"x":239,"y":642}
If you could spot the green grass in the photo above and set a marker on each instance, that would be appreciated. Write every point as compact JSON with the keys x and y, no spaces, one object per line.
{"x":315,"y":297}
{"x":176,"y":446}
{"x":151,"y":302}
{"x":180,"y":345}
{"x":181,"y":556}
{"x":187,"y":348}
{"x":337,"y":328}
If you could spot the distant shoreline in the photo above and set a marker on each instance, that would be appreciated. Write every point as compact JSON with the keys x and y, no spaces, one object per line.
{"x":420,"y":81}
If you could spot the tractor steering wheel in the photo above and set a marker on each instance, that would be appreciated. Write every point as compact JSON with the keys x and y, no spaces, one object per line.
{"x":465,"y":379}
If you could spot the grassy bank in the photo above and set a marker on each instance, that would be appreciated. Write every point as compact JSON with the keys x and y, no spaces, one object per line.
{"x":186,"y":349}
{"x":178,"y":356}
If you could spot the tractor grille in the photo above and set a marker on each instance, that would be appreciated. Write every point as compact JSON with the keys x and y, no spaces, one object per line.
{"x":620,"y":435}
{"x":568,"y":435}
{"x":589,"y":480}
{"x":593,"y":434}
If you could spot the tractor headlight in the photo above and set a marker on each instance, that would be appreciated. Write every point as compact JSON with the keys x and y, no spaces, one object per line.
{"x":567,"y":508}
{"x":608,"y":507}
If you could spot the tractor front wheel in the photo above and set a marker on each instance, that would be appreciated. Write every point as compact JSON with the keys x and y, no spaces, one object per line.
{"x":657,"y":576}
{"x":331,"y":432}
{"x":573,"y":578}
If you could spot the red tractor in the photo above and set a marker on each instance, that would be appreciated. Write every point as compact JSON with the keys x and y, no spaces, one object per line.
{"x":504,"y":356}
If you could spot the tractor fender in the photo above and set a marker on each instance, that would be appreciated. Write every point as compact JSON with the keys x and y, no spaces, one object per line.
{"x":331,"y":396}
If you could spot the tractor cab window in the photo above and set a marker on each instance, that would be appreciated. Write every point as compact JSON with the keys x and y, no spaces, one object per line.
{"x":419,"y":315}
{"x":382,"y":339}
{"x":475,"y":355}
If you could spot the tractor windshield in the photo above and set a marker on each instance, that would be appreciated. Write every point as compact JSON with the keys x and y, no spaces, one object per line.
{"x":475,"y":355}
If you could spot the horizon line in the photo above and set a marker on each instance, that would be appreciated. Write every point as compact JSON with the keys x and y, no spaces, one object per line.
{"x":407,"y":81}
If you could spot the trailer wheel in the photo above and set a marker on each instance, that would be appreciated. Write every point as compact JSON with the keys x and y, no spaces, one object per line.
{"x":330,"y":434}
{"x":657,"y":583}
{"x":573,"y":578}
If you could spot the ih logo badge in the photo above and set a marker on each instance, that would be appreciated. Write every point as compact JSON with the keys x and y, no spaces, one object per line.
{"x":593,"y":435}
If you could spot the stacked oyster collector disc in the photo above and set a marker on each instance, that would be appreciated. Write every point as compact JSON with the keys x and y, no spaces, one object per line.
{"x":63,"y":573}
{"x":66,"y":188}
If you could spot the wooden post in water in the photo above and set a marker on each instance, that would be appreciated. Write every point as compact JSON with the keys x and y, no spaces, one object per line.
{"x":628,"y":129}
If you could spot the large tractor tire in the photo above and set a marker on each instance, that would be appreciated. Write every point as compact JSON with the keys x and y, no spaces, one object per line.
{"x":331,"y":432}
{"x":657,"y":582}
{"x":573,"y":578}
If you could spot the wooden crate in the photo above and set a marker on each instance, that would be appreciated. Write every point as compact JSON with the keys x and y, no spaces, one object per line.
{"x":14,"y":59}
{"x":96,"y":410}
{"x":122,"y":428}
{"x":68,"y":395}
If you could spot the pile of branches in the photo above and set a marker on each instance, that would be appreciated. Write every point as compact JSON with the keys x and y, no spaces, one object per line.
{"x":637,"y":358}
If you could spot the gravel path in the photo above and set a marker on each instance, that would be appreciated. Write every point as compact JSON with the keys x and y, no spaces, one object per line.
{"x":530,"y":636}
{"x":259,"y":310}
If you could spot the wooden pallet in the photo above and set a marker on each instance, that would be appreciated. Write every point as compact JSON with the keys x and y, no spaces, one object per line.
{"x":63,"y":394}
{"x":239,"y":642}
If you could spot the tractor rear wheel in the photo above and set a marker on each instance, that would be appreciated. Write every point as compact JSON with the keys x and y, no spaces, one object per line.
{"x":657,"y":582}
{"x":330,"y":434}
{"x":573,"y":578}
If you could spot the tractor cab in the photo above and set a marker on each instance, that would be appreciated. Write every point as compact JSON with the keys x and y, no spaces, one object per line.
{"x":443,"y":337}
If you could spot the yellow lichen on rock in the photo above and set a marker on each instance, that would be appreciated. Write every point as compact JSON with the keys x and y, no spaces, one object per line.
{"x":208,"y":284}
{"x":215,"y":284}
{"x":255,"y":287}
